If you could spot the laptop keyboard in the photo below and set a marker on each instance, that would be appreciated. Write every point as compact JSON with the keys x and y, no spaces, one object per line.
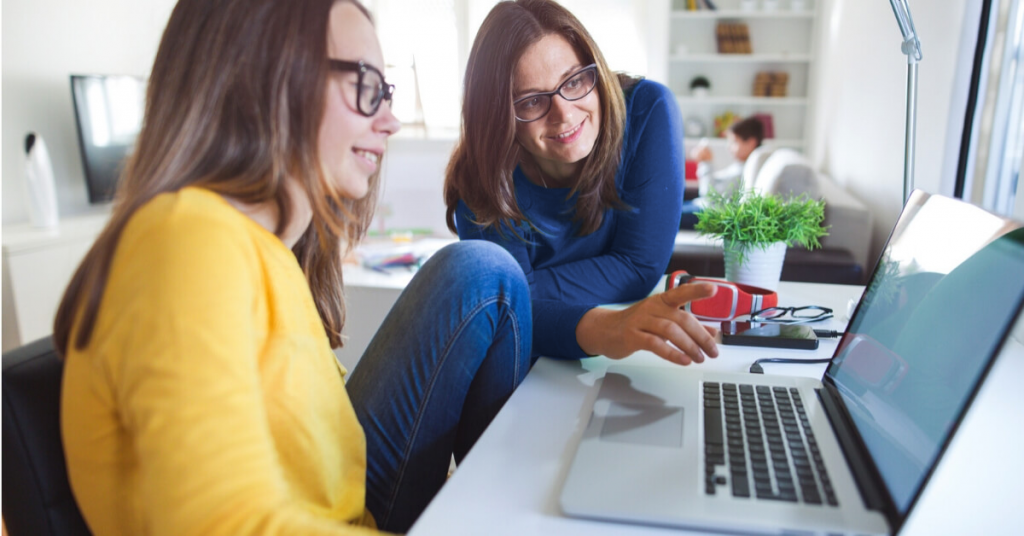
{"x":761,"y":435}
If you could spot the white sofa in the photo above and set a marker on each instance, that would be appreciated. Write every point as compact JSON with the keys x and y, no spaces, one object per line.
{"x":785,"y":171}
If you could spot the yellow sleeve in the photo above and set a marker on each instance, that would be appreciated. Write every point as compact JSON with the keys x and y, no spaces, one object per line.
{"x":187,"y":383}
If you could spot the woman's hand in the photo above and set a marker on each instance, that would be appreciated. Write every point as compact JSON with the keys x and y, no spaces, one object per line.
{"x":656,"y":324}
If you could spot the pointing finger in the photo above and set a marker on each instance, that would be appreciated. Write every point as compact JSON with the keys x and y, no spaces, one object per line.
{"x":683,"y":294}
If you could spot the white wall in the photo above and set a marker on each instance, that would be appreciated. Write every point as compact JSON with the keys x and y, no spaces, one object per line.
{"x":45,"y":41}
{"x":413,"y":187}
{"x":860,"y":99}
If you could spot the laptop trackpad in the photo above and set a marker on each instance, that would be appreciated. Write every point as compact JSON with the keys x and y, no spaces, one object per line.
{"x":643,"y":424}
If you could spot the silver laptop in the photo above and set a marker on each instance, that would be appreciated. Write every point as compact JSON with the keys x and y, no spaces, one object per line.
{"x":850,"y":453}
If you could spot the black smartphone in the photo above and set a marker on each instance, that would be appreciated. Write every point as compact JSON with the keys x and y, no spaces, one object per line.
{"x":769,"y":334}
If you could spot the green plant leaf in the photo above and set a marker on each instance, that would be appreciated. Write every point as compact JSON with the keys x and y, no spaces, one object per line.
{"x":749,"y":219}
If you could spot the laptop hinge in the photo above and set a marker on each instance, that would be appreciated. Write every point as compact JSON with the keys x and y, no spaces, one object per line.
{"x":872,"y":490}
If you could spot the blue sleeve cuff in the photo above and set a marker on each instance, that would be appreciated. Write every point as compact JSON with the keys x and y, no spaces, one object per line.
{"x":554,"y":329}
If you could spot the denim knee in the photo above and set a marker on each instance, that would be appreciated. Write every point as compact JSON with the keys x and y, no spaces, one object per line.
{"x":479,"y":262}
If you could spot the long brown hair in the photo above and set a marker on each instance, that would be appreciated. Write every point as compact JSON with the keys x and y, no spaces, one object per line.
{"x":480,"y":170}
{"x":234,"y":105}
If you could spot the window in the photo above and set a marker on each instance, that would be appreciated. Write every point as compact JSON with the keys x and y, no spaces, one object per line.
{"x":989,"y":173}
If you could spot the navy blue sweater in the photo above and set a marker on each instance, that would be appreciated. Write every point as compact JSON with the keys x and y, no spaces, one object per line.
{"x":622,"y":260}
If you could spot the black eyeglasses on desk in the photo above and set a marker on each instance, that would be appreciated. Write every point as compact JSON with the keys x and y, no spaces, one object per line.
{"x":797,"y":315}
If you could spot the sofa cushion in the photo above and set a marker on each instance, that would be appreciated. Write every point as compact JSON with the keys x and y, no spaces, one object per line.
{"x":788,"y":173}
{"x":849,"y":221}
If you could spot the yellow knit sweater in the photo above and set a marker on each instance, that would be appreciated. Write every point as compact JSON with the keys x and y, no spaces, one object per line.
{"x":208,"y":400}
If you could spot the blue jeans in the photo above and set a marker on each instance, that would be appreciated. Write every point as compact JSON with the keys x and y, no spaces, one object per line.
{"x":447,"y":357}
{"x":689,"y":218}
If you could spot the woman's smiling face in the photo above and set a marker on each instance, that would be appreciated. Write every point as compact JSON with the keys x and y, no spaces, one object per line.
{"x":562,"y":139}
{"x":351,"y":144}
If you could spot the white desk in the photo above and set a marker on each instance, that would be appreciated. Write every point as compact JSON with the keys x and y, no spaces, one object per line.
{"x":510,"y":482}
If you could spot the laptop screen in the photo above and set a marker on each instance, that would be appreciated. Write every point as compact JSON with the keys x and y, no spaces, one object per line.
{"x":945,"y":292}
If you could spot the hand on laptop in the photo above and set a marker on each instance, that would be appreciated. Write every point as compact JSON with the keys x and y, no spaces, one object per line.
{"x":651,"y":324}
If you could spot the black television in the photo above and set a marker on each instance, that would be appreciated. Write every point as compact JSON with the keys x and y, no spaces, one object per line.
{"x":108,"y":116}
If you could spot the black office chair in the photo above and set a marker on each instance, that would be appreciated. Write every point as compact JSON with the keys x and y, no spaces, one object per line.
{"x":37,"y":497}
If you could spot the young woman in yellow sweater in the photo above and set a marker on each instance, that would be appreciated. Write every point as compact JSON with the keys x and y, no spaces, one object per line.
{"x":200,"y":392}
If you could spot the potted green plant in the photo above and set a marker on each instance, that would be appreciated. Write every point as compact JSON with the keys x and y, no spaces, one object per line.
{"x":700,"y":86}
{"x":756,"y":229}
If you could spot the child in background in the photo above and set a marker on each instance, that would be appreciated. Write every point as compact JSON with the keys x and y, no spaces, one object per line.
{"x":743,"y":138}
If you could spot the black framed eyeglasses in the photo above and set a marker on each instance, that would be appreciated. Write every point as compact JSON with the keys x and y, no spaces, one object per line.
{"x":371,"y":88}
{"x":797,"y":315}
{"x":535,"y":106}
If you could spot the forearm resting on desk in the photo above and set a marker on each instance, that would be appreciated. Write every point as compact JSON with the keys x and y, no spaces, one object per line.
{"x":656,"y":324}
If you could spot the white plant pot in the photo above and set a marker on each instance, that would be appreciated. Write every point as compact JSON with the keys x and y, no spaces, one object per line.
{"x":761,"y":267}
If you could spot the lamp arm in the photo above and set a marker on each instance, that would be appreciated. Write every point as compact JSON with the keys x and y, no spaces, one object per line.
{"x":911,"y":44}
{"x":912,"y":48}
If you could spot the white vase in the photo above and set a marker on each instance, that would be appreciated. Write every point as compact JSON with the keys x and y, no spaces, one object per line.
{"x":761,"y":267}
{"x":39,"y":177}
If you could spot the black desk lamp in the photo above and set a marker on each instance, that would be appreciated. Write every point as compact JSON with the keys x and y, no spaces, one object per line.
{"x":912,"y":48}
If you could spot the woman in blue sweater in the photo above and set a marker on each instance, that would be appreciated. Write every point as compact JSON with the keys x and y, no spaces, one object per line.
{"x":578,"y":173}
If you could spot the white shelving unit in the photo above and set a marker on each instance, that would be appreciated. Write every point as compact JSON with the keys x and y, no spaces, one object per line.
{"x":781,"y":40}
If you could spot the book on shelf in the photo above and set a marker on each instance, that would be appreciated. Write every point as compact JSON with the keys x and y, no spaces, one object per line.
{"x":767,"y":123}
{"x":770,"y":84}
{"x":700,"y":5}
{"x":733,"y":38}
